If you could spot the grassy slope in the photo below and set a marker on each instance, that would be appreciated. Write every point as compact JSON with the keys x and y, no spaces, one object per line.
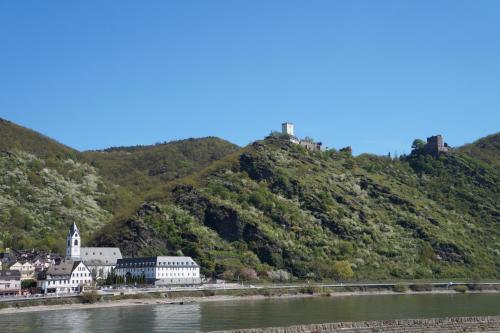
{"x":274,"y":205}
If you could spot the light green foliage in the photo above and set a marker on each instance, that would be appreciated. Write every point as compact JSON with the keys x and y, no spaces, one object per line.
{"x":38,"y":202}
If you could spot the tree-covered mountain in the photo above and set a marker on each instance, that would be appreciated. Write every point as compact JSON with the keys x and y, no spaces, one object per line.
{"x":45,"y":186}
{"x":272,"y":206}
{"x":277,"y":206}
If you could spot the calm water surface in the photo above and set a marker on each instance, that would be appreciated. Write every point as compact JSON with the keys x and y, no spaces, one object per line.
{"x":251,"y":313}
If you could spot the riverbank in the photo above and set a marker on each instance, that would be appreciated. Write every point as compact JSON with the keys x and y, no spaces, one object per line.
{"x":179,"y":299}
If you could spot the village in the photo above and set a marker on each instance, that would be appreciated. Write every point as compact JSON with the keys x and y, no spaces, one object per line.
{"x":24,"y":273}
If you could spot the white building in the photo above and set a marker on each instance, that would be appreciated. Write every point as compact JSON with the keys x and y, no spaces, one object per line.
{"x":66,"y":277}
{"x":26,"y":268}
{"x":10,"y":282}
{"x":160,"y":270}
{"x":100,"y":260}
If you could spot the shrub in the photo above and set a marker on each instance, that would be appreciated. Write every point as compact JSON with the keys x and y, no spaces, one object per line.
{"x":460,"y":288}
{"x":400,"y":288}
{"x":421,"y":287}
{"x":247,"y":274}
{"x":90,"y":297}
{"x":342,"y":270}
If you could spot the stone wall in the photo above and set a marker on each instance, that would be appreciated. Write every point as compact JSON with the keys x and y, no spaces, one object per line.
{"x":441,"y":325}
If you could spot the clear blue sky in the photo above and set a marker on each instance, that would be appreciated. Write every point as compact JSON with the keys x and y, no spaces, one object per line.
{"x":370,"y":74}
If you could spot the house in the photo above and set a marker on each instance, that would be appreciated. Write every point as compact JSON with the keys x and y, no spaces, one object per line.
{"x":100,"y":260}
{"x":160,"y":270}
{"x":26,"y":268}
{"x":66,"y":277}
{"x":10,"y":282}
{"x":40,"y":260}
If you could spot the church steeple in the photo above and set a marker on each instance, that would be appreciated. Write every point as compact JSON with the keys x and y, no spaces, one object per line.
{"x":73,"y":243}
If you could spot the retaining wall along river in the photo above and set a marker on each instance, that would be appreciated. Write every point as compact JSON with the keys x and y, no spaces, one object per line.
{"x":441,"y":325}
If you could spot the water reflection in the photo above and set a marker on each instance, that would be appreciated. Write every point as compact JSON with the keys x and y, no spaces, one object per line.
{"x":149,"y":318}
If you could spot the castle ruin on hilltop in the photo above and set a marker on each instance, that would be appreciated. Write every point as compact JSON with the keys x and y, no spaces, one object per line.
{"x":436,"y":145}
{"x":288,"y":128}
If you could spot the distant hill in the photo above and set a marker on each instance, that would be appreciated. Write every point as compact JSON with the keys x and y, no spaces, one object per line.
{"x":141,"y":168}
{"x":13,"y":136}
{"x":276,"y":206}
{"x":485,"y":149}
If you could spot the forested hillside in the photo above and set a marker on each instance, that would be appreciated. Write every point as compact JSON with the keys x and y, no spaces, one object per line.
{"x":45,"y":186}
{"x":271,"y":209}
{"x":276,"y":206}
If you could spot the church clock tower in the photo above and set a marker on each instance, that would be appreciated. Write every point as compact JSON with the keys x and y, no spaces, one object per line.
{"x":73,"y":243}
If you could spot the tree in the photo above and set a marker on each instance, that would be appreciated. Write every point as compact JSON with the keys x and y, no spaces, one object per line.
{"x":418,"y":144}
{"x":247,"y":274}
{"x":342,"y":270}
{"x":309,"y":139}
{"x":29,"y":283}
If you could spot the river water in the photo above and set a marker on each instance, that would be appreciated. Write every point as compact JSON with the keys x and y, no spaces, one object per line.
{"x":251,"y":313}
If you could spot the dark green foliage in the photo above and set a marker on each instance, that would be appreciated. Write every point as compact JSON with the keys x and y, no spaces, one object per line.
{"x":26,"y":284}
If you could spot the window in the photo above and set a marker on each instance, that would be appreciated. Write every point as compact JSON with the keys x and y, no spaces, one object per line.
{"x":76,"y":241}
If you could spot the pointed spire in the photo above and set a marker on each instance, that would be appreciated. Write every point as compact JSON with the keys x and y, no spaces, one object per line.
{"x":73,"y":229}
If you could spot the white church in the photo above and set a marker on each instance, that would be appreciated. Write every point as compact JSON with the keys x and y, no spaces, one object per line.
{"x":80,"y":267}
{"x":100,"y":260}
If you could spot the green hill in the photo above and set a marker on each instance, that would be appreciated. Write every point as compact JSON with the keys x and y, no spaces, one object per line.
{"x":13,"y":136}
{"x":485,"y":149}
{"x":276,"y":206}
{"x":45,"y":186}
{"x":272,"y":206}
{"x":142,"y":168}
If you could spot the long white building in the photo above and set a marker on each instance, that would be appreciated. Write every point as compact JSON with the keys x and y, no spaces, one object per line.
{"x":160,"y":270}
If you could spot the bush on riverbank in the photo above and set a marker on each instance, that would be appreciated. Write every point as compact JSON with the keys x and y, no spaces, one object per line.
{"x":421,"y":287}
{"x":400,"y":288}
{"x":90,"y":297}
{"x":460,"y":288}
